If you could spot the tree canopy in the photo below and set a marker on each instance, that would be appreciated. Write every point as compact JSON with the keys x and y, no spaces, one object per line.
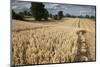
{"x":38,"y":11}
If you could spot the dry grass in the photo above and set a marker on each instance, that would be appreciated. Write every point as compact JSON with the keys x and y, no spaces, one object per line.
{"x":40,"y":43}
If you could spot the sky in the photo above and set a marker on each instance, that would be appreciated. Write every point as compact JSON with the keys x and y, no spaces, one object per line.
{"x":53,"y":8}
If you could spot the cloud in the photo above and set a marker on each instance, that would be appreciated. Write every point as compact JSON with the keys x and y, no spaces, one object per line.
{"x":49,"y":5}
{"x":71,"y":9}
{"x":19,"y":6}
{"x":54,"y":8}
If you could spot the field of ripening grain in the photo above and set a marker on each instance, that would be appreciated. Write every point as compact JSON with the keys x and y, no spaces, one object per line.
{"x":57,"y":41}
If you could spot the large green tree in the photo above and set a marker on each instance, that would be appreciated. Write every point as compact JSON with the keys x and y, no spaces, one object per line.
{"x":60,"y":14}
{"x":38,"y":11}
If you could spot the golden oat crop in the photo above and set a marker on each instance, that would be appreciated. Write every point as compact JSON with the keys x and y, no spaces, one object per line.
{"x":40,"y":43}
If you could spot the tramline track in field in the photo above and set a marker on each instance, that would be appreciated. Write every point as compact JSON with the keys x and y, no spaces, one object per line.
{"x":83,"y":49}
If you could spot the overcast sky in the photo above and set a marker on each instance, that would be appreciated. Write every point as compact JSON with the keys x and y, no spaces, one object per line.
{"x":54,"y":8}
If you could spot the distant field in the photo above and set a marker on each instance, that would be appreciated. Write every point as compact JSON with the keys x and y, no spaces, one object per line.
{"x":56,"y":41}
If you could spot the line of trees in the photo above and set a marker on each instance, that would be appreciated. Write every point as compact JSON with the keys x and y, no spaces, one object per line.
{"x":39,"y":12}
{"x":25,"y":13}
{"x":17,"y":16}
{"x":20,"y":15}
{"x":86,"y":16}
{"x":58,"y":16}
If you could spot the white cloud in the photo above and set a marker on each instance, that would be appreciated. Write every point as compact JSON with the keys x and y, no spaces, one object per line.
{"x":54,"y":8}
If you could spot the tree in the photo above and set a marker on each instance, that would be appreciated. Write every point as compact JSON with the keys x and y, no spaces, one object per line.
{"x":60,"y":14}
{"x":50,"y":15}
{"x":81,"y":16}
{"x":93,"y":17}
{"x":26,"y":13}
{"x":21,"y":13}
{"x":13,"y":14}
{"x":87,"y":16}
{"x":68,"y":15}
{"x":16,"y":16}
{"x":38,"y":11}
{"x":55,"y":17}
{"x":46,"y":14}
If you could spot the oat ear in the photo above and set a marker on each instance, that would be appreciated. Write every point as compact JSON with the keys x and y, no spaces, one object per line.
{"x":82,"y":30}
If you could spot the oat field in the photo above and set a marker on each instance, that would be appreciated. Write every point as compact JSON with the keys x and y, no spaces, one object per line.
{"x":56,"y":41}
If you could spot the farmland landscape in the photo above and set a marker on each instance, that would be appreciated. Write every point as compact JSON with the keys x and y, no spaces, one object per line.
{"x":62,"y":40}
{"x":50,"y":42}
